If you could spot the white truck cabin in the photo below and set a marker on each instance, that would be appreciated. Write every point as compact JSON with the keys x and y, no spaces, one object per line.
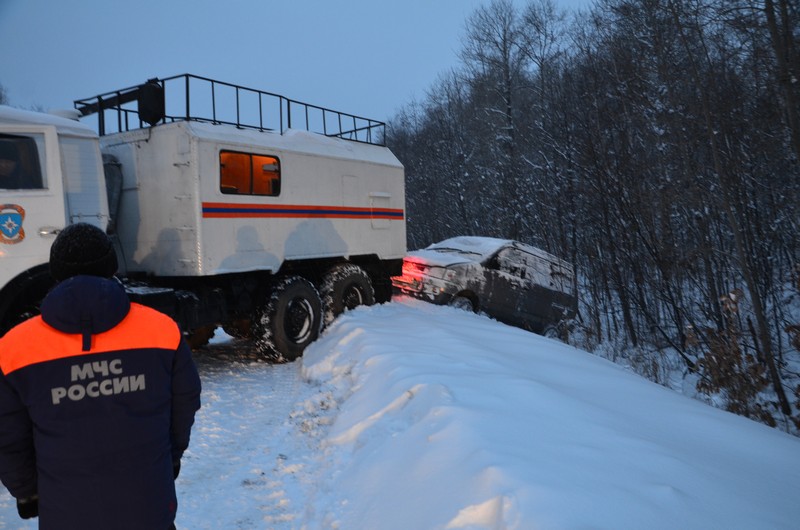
{"x":51,"y":174}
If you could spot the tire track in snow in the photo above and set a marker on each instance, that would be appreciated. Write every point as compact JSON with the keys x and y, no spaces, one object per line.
{"x":253,"y":453}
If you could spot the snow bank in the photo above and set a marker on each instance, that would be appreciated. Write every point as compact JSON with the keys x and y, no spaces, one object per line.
{"x":449,"y":420}
{"x":411,"y":416}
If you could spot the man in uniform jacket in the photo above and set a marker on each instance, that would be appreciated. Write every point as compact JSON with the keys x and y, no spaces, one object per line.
{"x":97,"y":399}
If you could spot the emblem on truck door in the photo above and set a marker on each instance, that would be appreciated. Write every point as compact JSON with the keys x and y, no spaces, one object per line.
{"x":11,"y":217}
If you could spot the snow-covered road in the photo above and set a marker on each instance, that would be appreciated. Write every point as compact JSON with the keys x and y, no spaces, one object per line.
{"x":248,"y":464}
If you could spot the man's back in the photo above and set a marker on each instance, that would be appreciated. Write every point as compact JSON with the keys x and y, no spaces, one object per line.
{"x":108,"y":390}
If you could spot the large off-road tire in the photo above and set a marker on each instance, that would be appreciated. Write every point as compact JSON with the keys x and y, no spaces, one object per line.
{"x":344,"y":286}
{"x":200,"y":336}
{"x":238,"y":329}
{"x":290,"y":320}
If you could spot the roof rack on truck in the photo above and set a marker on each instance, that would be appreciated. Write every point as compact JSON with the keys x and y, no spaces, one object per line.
{"x":188,"y":97}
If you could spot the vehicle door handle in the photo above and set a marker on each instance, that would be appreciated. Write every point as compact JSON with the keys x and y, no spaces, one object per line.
{"x":49,"y":231}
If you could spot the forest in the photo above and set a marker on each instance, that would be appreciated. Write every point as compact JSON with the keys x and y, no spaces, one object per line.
{"x":653,"y":143}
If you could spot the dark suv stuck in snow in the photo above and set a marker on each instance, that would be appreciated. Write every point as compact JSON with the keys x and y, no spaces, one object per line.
{"x":510,"y":281}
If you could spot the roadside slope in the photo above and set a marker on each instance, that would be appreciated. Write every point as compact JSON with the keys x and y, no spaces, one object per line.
{"x":451,"y":420}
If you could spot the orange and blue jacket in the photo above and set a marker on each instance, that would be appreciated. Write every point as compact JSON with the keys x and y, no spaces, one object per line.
{"x":97,"y":400}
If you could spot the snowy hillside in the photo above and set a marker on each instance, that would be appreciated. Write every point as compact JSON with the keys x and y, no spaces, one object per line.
{"x":454,"y":421}
{"x":413,"y":416}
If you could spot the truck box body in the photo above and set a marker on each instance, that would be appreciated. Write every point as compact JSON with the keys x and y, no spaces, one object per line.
{"x":337,"y":198}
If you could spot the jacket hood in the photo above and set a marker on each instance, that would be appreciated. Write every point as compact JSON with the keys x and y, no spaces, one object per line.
{"x":86,"y":305}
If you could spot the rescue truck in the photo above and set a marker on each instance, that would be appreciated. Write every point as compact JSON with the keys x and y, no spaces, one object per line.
{"x":228,"y":206}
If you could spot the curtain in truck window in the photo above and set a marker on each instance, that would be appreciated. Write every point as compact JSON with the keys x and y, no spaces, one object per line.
{"x":249,"y":174}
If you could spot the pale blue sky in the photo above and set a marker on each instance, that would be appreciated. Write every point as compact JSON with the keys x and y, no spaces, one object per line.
{"x":366,"y":57}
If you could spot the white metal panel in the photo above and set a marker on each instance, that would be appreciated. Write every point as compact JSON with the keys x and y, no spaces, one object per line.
{"x":84,"y":184}
{"x":10,"y":115}
{"x":325,"y":210}
{"x":158,"y":210}
{"x":322,"y":179}
{"x":179,"y":222}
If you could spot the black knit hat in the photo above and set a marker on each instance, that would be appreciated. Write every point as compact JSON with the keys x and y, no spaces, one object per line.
{"x":82,"y":248}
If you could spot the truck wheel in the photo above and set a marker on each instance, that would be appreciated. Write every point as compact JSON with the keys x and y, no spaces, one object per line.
{"x":200,"y":336}
{"x":238,"y":329}
{"x":290,"y":321}
{"x":345,"y":286}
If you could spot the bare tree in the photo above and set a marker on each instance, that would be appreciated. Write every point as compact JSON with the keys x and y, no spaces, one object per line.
{"x":741,"y":242}
{"x":782,"y":21}
{"x":493,"y":55}
{"x":654,"y":150}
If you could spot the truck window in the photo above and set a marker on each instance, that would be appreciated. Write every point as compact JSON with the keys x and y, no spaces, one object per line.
{"x":19,"y":163}
{"x":249,"y":174}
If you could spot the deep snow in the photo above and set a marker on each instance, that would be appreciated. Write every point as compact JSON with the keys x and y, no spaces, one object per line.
{"x":414,"y":416}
